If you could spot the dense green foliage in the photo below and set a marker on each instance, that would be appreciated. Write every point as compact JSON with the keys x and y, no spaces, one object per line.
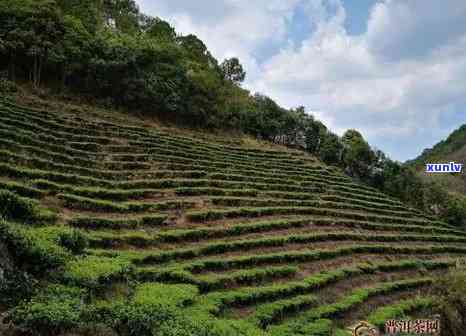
{"x":55,"y":309}
{"x":452,"y":306}
{"x":404,"y":183}
{"x":39,"y":249}
{"x":14,"y":207}
{"x":399,"y":310}
{"x":109,"y":50}
{"x":453,"y":207}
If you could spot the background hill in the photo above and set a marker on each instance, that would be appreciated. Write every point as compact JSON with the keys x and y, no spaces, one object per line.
{"x":451,"y":149}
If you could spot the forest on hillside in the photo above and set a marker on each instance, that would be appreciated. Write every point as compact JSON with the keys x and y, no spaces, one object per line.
{"x":452,"y":149}
{"x":109,"y":51}
{"x":455,"y":142}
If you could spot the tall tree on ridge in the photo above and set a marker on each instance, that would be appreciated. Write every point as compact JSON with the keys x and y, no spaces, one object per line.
{"x":233,"y":70}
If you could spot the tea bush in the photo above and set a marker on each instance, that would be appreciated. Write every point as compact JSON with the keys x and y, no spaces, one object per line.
{"x":74,"y":241}
{"x":56,"y":309}
{"x":7,"y":87}
{"x":452,"y":304}
{"x":14,"y":207}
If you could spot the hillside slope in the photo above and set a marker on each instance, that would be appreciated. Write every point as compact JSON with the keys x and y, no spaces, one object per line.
{"x":451,"y":149}
{"x":147,"y":232}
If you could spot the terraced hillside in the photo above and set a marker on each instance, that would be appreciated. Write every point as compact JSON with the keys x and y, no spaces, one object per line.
{"x":237,"y":241}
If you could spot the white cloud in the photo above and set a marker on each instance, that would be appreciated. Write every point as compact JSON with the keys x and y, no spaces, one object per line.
{"x":356,"y":85}
{"x":398,"y":82}
{"x":229,"y":27}
{"x":399,"y":29}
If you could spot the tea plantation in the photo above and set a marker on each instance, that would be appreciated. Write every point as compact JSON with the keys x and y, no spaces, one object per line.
{"x":130,"y":230}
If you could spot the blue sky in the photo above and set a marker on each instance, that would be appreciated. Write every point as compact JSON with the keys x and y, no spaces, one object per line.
{"x":357,"y":14}
{"x":393,"y":69}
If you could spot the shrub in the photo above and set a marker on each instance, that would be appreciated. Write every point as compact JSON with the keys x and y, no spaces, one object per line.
{"x":154,"y":310}
{"x":455,"y":212}
{"x":14,"y":207}
{"x":54,"y":310}
{"x":35,"y":249}
{"x":452,"y":302}
{"x":321,"y":327}
{"x":161,"y":310}
{"x":21,"y":189}
{"x":244,"y":277}
{"x":110,"y":223}
{"x":273,"y":312}
{"x":398,"y":310}
{"x":7,"y":87}
{"x":74,"y":241}
{"x":15,"y":286}
{"x":94,"y":272}
{"x":161,"y":294}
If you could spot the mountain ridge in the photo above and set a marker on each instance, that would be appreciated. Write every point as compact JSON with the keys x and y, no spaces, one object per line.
{"x":452,"y":149}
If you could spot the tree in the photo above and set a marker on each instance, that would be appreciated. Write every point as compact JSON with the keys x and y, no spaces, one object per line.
{"x":124,"y":15}
{"x":13,"y":31}
{"x":89,"y":12}
{"x":196,"y":51}
{"x":313,"y":131}
{"x":48,"y":30}
{"x":330,"y":149}
{"x":291,"y":127}
{"x":358,"y":156}
{"x":158,"y":29}
{"x":32,"y":29}
{"x":232,"y":70}
{"x":73,"y":51}
{"x":269,"y":117}
{"x":455,"y":212}
{"x":201,"y":108}
{"x":137,"y":72}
